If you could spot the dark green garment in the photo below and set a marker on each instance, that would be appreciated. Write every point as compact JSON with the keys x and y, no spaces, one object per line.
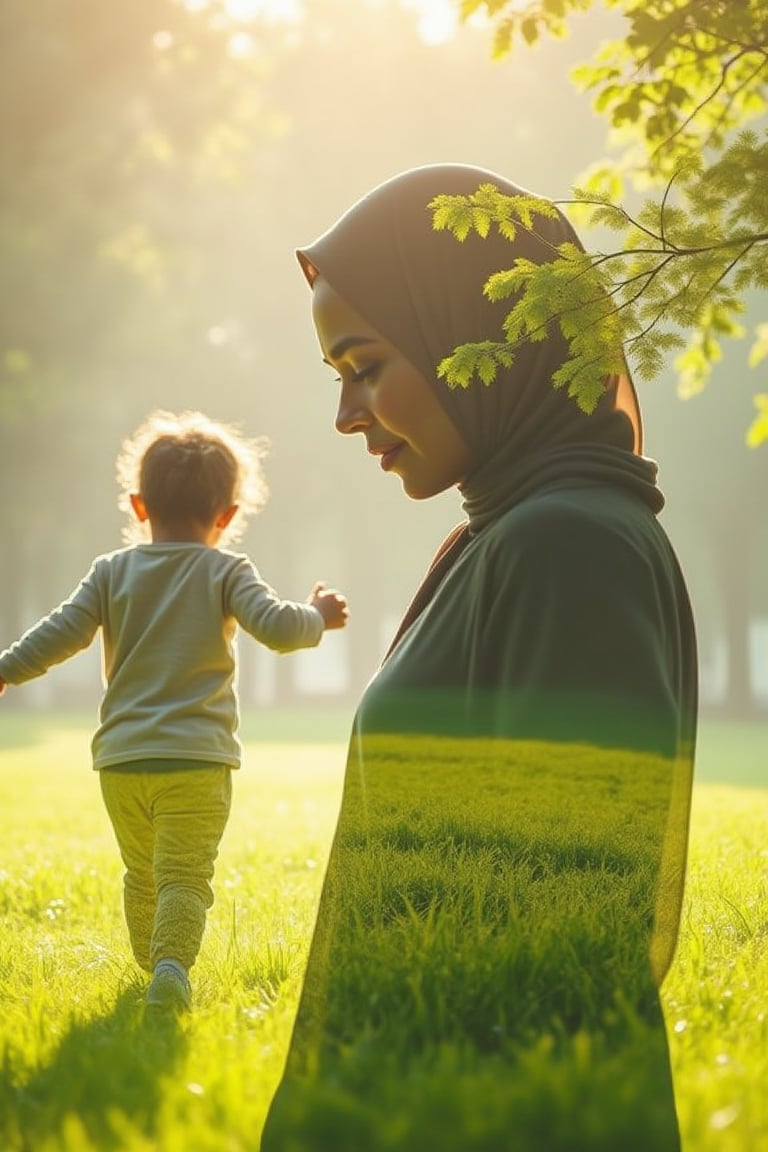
{"x":565,"y":619}
{"x":504,"y":886}
{"x":503,"y":891}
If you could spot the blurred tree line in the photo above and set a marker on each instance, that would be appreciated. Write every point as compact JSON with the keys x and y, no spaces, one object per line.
{"x":160,"y":164}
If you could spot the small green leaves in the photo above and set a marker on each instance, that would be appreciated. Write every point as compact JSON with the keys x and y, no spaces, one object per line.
{"x":668,"y":288}
{"x":759,"y":349}
{"x":502,"y":39}
{"x":464,"y":214}
{"x":694,"y":365}
{"x":758,"y":430}
{"x":554,"y":8}
{"x":470,"y":360}
{"x":530,"y":30}
{"x":571,"y":292}
{"x":677,"y":88}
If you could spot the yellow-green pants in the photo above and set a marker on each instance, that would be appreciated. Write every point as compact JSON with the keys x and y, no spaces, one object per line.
{"x":168,"y":826}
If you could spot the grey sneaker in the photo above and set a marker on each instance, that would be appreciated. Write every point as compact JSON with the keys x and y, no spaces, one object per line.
{"x":169,"y":990}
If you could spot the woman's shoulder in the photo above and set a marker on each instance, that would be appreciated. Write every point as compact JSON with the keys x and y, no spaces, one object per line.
{"x":558,"y":513}
{"x":575,"y":527}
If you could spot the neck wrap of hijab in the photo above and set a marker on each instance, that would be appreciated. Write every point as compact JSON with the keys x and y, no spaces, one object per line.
{"x":422,"y":291}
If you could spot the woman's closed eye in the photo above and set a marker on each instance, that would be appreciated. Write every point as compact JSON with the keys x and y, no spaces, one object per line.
{"x":368,"y":372}
{"x":360,"y":375}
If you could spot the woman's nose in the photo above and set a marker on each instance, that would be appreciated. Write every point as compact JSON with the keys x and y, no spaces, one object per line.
{"x":352,"y":415}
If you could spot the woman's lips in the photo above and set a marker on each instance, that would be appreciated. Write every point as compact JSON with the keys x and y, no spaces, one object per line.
{"x":389,"y":456}
{"x":387,"y":453}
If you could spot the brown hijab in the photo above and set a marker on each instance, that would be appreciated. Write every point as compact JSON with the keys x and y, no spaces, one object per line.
{"x":423,"y":291}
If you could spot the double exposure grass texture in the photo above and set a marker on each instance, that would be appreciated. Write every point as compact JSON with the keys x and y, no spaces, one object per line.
{"x":481,"y":975}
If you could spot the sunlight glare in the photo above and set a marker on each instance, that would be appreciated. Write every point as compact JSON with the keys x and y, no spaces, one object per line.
{"x":241,"y":45}
{"x":438,"y":19}
{"x":279,"y":11}
{"x":163,"y":40}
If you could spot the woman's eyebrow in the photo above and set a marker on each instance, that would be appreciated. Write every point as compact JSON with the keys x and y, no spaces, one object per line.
{"x":343,"y":345}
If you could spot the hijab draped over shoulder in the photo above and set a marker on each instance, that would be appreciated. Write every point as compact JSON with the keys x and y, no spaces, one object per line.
{"x":422,"y":290}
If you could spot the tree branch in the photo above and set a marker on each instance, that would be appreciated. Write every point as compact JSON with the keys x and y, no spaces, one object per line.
{"x":749,"y":240}
{"x":728,"y":269}
{"x":728,"y":64}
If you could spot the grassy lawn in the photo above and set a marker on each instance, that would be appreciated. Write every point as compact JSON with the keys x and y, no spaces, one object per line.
{"x":82,"y":1072}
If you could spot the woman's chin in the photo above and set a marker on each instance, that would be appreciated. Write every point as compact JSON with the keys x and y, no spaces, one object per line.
{"x":420,"y":490}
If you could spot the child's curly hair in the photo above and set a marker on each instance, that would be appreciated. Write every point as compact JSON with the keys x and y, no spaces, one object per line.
{"x":188,"y":467}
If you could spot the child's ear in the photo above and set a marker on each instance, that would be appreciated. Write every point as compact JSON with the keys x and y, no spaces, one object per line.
{"x":224,"y":518}
{"x":139,"y":507}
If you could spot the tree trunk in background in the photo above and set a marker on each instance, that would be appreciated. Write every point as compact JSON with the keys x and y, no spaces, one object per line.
{"x":286,"y":694}
{"x":733,"y":558}
{"x":367,"y":600}
{"x":12,"y":572}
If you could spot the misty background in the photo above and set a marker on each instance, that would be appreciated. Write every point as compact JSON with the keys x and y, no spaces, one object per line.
{"x":161,"y":162}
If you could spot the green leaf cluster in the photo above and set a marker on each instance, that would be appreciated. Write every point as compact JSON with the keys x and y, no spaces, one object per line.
{"x":571,"y":291}
{"x":677,"y":90}
{"x":545,"y":17}
{"x":475,"y":213}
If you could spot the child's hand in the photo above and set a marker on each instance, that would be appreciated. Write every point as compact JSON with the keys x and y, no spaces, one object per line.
{"x":2,"y":685}
{"x":331,"y":604}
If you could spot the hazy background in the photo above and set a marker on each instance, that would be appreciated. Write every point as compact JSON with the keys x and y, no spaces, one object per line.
{"x":161,"y":162}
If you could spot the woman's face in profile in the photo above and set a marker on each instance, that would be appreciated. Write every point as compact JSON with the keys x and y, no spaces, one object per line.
{"x":388,"y":400}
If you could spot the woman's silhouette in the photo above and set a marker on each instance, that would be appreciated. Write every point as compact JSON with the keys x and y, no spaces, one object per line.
{"x":503,"y":891}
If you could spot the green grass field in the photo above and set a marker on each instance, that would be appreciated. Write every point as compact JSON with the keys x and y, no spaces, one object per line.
{"x":82,"y":1071}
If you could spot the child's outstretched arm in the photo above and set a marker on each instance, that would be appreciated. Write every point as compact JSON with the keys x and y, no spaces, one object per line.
{"x":283,"y":625}
{"x":66,"y":631}
{"x":331,"y":604}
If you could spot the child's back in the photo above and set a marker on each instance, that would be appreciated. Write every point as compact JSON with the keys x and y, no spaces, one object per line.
{"x":169,"y":614}
{"x":168,"y":610}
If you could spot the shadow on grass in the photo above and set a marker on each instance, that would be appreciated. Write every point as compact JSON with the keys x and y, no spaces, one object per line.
{"x":106,"y":1075}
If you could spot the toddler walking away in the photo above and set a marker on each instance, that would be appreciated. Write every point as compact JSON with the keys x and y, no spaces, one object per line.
{"x":168,"y":606}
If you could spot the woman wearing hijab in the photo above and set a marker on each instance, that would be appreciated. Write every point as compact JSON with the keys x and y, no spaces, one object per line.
{"x":503,"y":891}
